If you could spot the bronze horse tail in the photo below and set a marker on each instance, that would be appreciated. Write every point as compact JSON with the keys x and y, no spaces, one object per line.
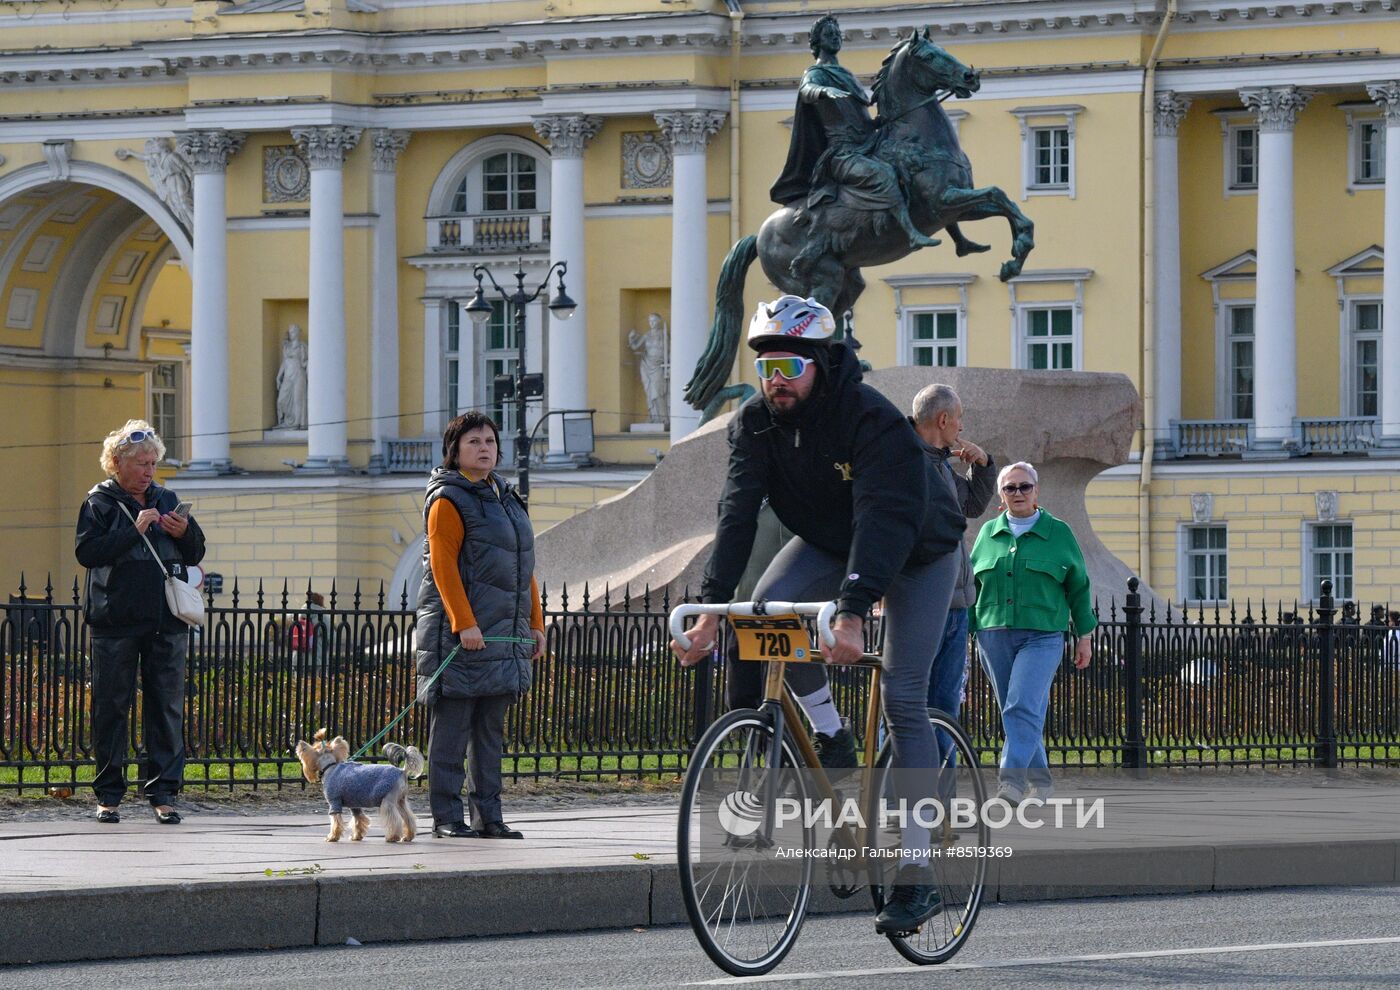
{"x":705,"y":390}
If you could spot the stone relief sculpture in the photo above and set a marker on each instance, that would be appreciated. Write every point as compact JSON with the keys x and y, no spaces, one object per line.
{"x":170,"y":174}
{"x":652,"y":349}
{"x":291,"y":382}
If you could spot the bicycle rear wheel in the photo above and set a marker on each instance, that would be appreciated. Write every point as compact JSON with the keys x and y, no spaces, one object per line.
{"x":745,"y":904}
{"x":959,"y":876}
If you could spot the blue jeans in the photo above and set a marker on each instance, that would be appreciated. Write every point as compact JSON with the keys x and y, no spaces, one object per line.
{"x":946,"y":682}
{"x":1021,"y":664}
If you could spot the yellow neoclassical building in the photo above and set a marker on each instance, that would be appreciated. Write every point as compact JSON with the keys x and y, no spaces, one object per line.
{"x":256,"y":223}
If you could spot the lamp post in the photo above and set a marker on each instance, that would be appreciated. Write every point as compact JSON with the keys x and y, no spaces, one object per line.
{"x":520,"y":386}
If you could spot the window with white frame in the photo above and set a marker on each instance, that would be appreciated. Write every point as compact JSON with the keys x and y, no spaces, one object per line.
{"x":1365,"y":320}
{"x":1242,"y":157}
{"x":509,"y":184}
{"x":1050,"y":164}
{"x":1239,"y":348}
{"x":1329,"y":559}
{"x":1204,"y":564}
{"x":1047,"y":338}
{"x":165,"y":408}
{"x":500,"y":358}
{"x":1048,"y":149}
{"x":1368,"y":155}
{"x":934,"y":339}
{"x":451,"y":356}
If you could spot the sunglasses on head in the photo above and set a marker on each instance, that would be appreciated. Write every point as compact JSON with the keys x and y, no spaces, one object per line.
{"x":1020,"y":489}
{"x":136,"y":436}
{"x":788,"y":367}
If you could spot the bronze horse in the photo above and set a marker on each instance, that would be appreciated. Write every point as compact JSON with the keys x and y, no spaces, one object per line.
{"x":831,"y":243}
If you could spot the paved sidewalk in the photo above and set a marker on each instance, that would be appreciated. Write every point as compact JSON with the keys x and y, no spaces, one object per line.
{"x":76,"y":889}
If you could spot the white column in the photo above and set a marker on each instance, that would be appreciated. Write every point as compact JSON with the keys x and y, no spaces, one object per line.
{"x":566,"y":378}
{"x":434,"y":416}
{"x":325,"y":149}
{"x":1166,"y":251}
{"x":208,"y":153}
{"x":1387,"y":94}
{"x":536,"y":317}
{"x":689,"y":132}
{"x":1275,"y":327}
{"x":384,"y":294}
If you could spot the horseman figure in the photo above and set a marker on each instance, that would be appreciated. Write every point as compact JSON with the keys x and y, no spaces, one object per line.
{"x":831,"y":155}
{"x":857,"y":192}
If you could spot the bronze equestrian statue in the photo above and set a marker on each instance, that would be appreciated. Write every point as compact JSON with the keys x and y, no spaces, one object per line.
{"x":857,"y":192}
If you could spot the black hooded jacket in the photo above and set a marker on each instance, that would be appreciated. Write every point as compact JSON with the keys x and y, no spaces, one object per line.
{"x":846,"y":473}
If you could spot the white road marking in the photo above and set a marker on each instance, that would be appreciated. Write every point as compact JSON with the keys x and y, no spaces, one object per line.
{"x":1208,"y":950}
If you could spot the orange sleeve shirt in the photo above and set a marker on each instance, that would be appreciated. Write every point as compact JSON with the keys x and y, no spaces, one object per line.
{"x":445,"y":536}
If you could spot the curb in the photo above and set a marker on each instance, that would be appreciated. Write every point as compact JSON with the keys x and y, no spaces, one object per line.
{"x":295,"y":912}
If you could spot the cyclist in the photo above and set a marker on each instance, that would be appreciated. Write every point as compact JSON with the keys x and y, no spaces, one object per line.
{"x":843,"y":470}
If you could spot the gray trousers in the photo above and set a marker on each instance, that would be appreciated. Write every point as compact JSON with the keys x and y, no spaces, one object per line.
{"x":473,"y":728}
{"x":916,"y":610}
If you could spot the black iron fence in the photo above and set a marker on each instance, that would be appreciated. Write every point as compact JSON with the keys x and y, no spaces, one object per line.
{"x":1243,"y":686}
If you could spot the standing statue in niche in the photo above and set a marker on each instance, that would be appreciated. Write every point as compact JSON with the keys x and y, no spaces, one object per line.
{"x":652,"y":349}
{"x":291,"y":382}
{"x":857,"y":191}
{"x":170,"y":174}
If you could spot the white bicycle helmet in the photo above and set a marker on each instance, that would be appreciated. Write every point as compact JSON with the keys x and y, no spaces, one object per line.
{"x":791,"y":318}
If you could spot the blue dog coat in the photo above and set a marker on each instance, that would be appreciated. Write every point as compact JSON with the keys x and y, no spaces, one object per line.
{"x":359,"y":785}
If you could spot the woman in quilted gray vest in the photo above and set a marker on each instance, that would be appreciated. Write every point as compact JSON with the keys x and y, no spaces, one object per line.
{"x":479,"y":594}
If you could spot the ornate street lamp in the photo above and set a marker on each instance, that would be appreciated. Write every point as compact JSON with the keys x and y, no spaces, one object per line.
{"x":520,"y":386}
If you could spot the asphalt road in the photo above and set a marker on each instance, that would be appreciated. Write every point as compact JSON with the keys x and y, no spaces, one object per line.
{"x":1301,"y":937}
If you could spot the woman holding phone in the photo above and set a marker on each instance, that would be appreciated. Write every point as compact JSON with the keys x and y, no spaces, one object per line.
{"x":131,"y":625}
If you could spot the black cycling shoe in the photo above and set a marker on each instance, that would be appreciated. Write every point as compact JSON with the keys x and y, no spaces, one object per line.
{"x":838,"y":751}
{"x":913,"y":899}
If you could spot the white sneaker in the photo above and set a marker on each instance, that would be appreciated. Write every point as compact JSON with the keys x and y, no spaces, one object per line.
{"x":1010,"y":793}
{"x":1041,"y":792}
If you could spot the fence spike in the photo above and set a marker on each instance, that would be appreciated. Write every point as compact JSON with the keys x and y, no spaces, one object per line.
{"x":646,"y":597}
{"x":48,"y":588}
{"x":260,"y":595}
{"x":381,"y":594}
{"x":357,"y":594}
{"x":607,"y":596}
{"x":235,"y":592}
{"x":308,"y":593}
{"x":404,"y":598}
{"x":331,"y":600}
{"x":75,"y":590}
{"x":22,"y":587}
{"x":285,"y":599}
{"x":564,"y":598}
{"x":544,"y":596}
{"x":585,"y":596}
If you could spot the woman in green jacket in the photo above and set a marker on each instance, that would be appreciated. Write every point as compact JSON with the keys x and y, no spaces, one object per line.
{"x":1031,"y":588}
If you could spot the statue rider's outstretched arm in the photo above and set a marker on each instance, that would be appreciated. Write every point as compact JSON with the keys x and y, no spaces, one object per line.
{"x":812,"y":92}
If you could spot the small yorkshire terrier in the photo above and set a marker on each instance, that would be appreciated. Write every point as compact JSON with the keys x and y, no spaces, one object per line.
{"x":363,"y":785}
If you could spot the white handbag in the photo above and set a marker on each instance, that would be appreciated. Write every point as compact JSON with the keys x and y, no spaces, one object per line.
{"x":183,"y":599}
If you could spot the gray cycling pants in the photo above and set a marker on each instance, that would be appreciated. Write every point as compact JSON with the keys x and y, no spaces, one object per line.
{"x":916,"y":609}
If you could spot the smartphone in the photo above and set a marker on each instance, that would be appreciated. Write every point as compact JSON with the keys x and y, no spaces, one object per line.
{"x":183,"y":509}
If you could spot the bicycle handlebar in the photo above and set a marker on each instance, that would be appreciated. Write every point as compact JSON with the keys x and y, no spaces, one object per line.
{"x":824,"y":611}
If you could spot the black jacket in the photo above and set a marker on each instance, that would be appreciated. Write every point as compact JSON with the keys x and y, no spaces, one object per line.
{"x":125,"y":586}
{"x":495,"y":565}
{"x":847,"y":474}
{"x":972,"y":495}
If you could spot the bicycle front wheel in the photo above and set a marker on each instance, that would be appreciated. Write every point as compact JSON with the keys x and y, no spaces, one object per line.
{"x":746,"y":900}
{"x":959,"y":853}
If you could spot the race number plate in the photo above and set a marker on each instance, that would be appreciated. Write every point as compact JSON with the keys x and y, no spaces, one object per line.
{"x":773,"y":637}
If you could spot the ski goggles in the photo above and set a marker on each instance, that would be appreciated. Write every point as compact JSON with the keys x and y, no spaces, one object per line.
{"x":788,"y":367}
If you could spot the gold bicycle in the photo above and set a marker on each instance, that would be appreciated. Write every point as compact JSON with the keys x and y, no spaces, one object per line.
{"x":749,"y":836}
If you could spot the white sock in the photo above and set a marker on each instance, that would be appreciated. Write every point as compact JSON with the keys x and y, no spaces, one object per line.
{"x":821,"y":710}
{"x":913,"y":846}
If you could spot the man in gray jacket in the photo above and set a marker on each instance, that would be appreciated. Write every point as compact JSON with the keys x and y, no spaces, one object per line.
{"x":938,"y":421}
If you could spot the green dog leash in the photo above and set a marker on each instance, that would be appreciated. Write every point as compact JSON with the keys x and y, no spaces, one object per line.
{"x":431,"y":681}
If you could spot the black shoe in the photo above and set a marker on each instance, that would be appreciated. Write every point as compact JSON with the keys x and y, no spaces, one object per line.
{"x":498,"y":830}
{"x":108,"y":816}
{"x":171,"y":817}
{"x":837,"y":752}
{"x":913,"y":899}
{"x":455,"y":830}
